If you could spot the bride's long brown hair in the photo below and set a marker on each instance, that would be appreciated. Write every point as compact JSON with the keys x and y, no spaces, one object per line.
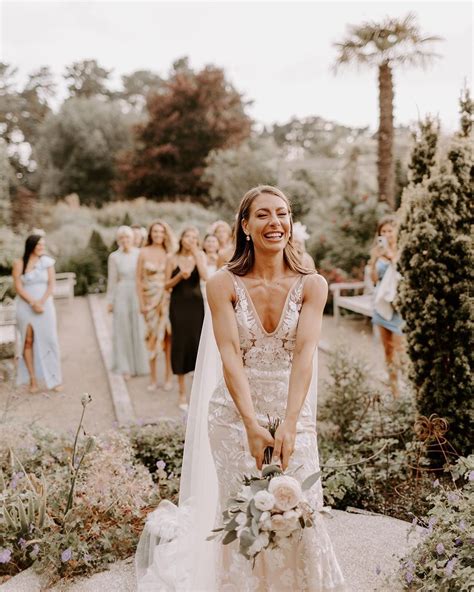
{"x":243,"y":259}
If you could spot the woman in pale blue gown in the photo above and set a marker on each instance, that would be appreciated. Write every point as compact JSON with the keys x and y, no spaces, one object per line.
{"x":129,"y":356}
{"x":39,"y":357}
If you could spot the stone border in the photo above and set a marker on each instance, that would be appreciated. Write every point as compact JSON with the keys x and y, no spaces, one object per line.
{"x":124,"y":411}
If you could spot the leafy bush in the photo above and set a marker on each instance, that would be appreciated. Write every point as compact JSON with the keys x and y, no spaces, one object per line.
{"x":443,"y":560}
{"x":158,"y":447}
{"x":112,"y":494}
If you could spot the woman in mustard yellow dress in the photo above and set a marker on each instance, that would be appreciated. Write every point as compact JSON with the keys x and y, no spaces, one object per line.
{"x":154,"y":299}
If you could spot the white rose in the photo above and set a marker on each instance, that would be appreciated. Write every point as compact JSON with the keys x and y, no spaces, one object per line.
{"x":286,"y":491}
{"x":278,"y":522}
{"x":264,"y":501}
{"x":292,"y":519}
{"x":241,"y":518}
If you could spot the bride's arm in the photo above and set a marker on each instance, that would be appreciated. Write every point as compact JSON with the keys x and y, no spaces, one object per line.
{"x":307,"y":338}
{"x":220,"y":296}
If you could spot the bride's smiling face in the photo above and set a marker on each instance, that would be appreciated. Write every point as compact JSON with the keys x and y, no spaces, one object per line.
{"x":269,"y":223}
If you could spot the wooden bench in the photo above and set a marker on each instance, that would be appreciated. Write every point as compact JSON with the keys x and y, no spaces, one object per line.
{"x":359,"y":303}
{"x":64,"y":288}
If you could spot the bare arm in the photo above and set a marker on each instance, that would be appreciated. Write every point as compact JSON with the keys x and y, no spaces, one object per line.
{"x":139,"y":282}
{"x":200,"y":259}
{"x":307,"y":338}
{"x":16,"y":272}
{"x":170,"y":282}
{"x":112,"y":277}
{"x":220,"y":294}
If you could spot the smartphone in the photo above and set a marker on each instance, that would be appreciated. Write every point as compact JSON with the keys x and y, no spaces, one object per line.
{"x":382,"y":242}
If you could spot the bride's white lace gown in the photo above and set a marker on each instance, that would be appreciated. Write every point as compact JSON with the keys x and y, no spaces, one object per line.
{"x":308,"y":564}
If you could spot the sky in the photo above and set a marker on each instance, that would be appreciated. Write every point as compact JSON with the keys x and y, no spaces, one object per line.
{"x":277,"y":54}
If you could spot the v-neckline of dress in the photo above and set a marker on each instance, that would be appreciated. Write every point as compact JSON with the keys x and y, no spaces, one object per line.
{"x":283,"y":312}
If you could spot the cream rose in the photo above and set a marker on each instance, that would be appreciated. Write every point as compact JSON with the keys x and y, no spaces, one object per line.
{"x":286,"y":491}
{"x":264,"y":500}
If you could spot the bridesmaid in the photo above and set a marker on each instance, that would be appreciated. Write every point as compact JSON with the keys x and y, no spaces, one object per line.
{"x":223,"y":232}
{"x":210,"y":246}
{"x":128,"y":353}
{"x":154,"y":299}
{"x":34,"y":278}
{"x":184,"y":270}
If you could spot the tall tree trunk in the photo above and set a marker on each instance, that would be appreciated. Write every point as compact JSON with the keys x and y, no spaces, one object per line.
{"x":385,"y":168}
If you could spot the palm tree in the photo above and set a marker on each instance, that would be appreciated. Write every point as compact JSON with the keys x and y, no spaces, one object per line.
{"x":384,"y":45}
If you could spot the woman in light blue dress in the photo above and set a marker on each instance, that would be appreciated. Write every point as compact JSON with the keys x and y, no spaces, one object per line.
{"x":129,"y":356}
{"x":383,"y":254}
{"x":39,"y":357}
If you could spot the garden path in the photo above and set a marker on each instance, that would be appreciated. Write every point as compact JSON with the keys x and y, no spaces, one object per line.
{"x":82,"y":322}
{"x":368,"y":548}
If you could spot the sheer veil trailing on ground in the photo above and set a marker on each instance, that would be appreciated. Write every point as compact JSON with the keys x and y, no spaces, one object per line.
{"x":173,"y":554}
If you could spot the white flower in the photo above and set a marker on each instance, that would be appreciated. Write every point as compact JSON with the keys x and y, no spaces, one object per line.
{"x":241,"y":518}
{"x":260,"y":543}
{"x":291,"y":518}
{"x":287,"y":492}
{"x":265,"y":521}
{"x":278,"y":522}
{"x":263,"y":500}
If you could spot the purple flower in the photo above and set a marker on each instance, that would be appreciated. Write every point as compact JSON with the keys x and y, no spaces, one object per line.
{"x":35,"y":551}
{"x":449,"y":567}
{"x":440,"y":548}
{"x":409,"y":577}
{"x":161,"y":465}
{"x":87,"y":557}
{"x":457,"y":542}
{"x":462,"y":525}
{"x":471,"y":476}
{"x":5,"y":555}
{"x":171,"y":475}
{"x":66,"y":555}
{"x":377,"y":569}
{"x":22,"y":543}
{"x":452,"y":497}
{"x":436,"y":483}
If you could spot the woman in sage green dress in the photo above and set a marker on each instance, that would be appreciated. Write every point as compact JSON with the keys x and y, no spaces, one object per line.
{"x":129,"y":356}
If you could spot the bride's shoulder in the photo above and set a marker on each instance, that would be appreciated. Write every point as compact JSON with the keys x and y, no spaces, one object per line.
{"x":220,"y":283}
{"x":315,"y":285}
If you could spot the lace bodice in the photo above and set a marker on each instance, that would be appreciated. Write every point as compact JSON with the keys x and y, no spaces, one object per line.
{"x":261,"y":350}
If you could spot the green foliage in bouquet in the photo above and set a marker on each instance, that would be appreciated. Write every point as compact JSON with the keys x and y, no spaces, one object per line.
{"x":437,"y":267}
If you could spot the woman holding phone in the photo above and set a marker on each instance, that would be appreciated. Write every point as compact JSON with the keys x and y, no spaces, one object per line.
{"x":383,"y":255}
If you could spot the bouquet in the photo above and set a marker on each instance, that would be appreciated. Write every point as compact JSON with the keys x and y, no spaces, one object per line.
{"x":267,"y":510}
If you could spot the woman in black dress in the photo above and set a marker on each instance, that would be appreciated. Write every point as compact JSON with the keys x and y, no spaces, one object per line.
{"x":184,"y":271}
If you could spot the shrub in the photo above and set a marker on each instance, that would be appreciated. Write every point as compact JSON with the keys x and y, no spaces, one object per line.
{"x":443,"y":560}
{"x":114,"y":491}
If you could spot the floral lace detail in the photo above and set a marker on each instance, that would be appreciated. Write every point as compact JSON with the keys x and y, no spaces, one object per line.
{"x":309,"y":563}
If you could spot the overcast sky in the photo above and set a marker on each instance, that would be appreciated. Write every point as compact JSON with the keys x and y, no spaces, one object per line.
{"x":278,"y":54}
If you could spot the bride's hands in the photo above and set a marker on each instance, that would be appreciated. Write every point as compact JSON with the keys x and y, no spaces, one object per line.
{"x":285,"y":437}
{"x":258,"y":438}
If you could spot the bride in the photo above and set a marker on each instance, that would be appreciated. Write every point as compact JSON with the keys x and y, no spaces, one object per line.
{"x":266,"y":315}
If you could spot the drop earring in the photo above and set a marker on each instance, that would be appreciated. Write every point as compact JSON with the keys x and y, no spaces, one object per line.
{"x":247,"y":238}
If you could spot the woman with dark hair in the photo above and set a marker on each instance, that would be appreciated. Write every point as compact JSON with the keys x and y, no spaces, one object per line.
{"x":266,"y":315}
{"x":383,"y":258}
{"x":184,"y":270}
{"x":154,"y":298}
{"x":34,"y":279}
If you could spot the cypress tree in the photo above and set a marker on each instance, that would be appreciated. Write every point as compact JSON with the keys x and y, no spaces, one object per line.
{"x":436,"y":264}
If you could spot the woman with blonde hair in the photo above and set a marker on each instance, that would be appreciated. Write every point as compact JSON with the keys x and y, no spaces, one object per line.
{"x":184,"y":271}
{"x":128,"y":351}
{"x":383,"y":259}
{"x":154,"y":298}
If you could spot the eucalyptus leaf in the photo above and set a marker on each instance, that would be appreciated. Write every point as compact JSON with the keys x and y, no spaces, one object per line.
{"x":258,"y":485}
{"x":270,"y":470}
{"x":246,"y":539}
{"x":229,"y":537}
{"x":310,"y":481}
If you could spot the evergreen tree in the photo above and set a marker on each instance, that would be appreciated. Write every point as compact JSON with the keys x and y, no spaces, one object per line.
{"x":424,"y":151}
{"x":437,"y":266}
